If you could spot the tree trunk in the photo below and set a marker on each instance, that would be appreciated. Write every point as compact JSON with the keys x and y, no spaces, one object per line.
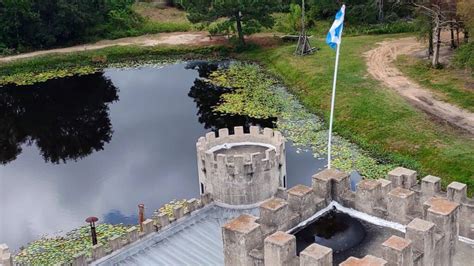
{"x":457,"y":35}
{"x":239,"y":28}
{"x":437,"y":33}
{"x":430,"y":43}
{"x":380,"y":7}
{"x":453,"y":44}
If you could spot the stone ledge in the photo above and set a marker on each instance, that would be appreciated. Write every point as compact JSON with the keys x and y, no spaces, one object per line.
{"x":400,"y":192}
{"x":330,"y":174}
{"x":441,"y":206}
{"x":316,"y":252}
{"x":397,"y":243}
{"x":420,"y":225}
{"x":299,"y":190}
{"x":243,"y":224}
{"x":274,"y":204}
{"x":280,"y":238}
{"x":368,"y":260}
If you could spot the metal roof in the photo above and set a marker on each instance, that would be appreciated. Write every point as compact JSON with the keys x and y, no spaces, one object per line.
{"x":195,"y":240}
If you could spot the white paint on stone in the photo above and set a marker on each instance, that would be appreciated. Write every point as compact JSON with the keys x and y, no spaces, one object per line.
{"x":356,"y":214}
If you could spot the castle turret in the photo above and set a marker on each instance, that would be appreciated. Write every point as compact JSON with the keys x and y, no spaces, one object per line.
{"x":241,"y":168}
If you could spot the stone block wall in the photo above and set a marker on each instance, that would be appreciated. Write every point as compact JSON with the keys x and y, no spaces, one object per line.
{"x":6,"y":258}
{"x":430,"y":216}
{"x":242,"y":179}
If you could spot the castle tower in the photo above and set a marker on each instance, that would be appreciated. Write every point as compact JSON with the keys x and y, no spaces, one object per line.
{"x":242,"y":168}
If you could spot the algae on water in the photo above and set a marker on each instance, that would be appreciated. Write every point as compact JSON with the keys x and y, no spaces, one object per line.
{"x":260,"y":96}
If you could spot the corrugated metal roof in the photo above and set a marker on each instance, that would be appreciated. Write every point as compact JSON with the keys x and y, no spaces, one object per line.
{"x":196,"y":240}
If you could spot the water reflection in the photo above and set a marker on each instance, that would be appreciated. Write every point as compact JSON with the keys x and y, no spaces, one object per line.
{"x":117,"y":217}
{"x":67,"y":119}
{"x":207,"y":96}
{"x":150,"y":159}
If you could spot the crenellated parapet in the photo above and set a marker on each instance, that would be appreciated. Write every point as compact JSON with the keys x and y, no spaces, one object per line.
{"x":430,"y":218}
{"x":158,"y":222}
{"x":241,"y":168}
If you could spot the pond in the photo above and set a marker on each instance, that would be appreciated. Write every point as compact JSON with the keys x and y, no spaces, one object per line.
{"x":99,"y":144}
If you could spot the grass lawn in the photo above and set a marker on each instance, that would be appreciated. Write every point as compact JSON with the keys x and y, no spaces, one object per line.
{"x":162,"y":19}
{"x":374,"y":117}
{"x":449,"y":84}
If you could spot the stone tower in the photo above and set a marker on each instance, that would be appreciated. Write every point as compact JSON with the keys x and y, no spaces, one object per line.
{"x":242,"y":168}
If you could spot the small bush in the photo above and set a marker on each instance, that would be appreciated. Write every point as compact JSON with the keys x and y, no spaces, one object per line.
{"x":290,"y":23}
{"x":464,"y":57}
{"x":384,"y":28}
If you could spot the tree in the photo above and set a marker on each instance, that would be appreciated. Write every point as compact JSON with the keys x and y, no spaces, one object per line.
{"x":442,"y":14}
{"x":26,"y":24}
{"x":465,"y":9}
{"x":248,"y":16}
{"x":67,"y":119}
{"x":425,"y":30}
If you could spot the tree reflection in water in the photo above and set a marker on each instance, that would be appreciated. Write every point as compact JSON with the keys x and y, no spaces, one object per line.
{"x":66,"y":118}
{"x":207,"y":96}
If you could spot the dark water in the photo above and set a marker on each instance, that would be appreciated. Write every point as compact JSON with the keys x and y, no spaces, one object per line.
{"x":335,"y":230}
{"x":345,"y":235}
{"x":101,"y":144}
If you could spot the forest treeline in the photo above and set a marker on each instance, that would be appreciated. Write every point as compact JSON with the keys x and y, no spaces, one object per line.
{"x":40,"y":24}
{"x":36,"y":24}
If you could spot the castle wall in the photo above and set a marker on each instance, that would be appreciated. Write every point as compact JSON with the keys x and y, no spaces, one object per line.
{"x":431,"y":219}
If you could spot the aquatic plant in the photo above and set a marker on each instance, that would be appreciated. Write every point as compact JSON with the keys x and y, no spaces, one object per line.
{"x":61,"y":249}
{"x":29,"y":78}
{"x":168,"y":207}
{"x":258,"y":95}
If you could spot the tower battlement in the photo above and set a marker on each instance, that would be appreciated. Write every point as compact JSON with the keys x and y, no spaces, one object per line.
{"x":241,"y":168}
{"x":431,"y":220}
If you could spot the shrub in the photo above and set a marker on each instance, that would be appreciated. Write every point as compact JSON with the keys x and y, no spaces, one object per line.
{"x":291,"y":22}
{"x":464,"y":57}
{"x":384,"y":28}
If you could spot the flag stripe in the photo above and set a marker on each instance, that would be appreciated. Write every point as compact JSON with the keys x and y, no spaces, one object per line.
{"x":334,"y":35}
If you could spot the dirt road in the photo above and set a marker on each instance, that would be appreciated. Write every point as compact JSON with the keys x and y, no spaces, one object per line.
{"x":380,"y":66}
{"x":176,"y":38}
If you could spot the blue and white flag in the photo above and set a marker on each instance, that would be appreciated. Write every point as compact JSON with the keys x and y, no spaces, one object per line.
{"x":333,"y":38}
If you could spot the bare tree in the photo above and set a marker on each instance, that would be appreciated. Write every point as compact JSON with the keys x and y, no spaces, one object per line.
{"x":443,"y":15}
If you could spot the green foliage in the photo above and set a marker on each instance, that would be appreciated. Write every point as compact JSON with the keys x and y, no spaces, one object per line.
{"x":291,"y":22}
{"x":32,"y":77}
{"x":378,"y":120}
{"x":424,"y":26}
{"x":258,"y":95}
{"x":448,"y":83}
{"x":258,"y":102}
{"x":382,"y":28}
{"x":169,"y":207}
{"x":42,"y":68}
{"x":464,"y":57}
{"x":358,"y":12}
{"x":33,"y":24}
{"x":61,"y":249}
{"x":248,"y":16}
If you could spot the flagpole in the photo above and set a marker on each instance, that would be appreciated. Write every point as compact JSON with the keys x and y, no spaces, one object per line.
{"x":333,"y":99}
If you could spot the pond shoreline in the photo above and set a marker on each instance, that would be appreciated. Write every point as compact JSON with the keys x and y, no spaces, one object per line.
{"x":43,"y":68}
